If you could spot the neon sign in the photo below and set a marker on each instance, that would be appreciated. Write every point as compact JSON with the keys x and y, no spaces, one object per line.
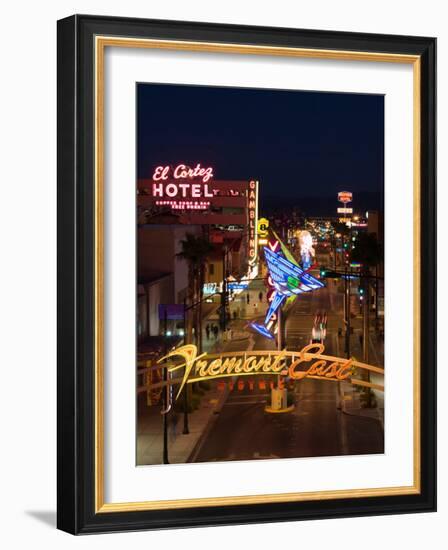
{"x":184,"y":190}
{"x":261,"y":329}
{"x":286,"y":280}
{"x":306,"y":248}
{"x":181,"y":194}
{"x":183,"y":172}
{"x":210,"y":288}
{"x":262,"y":228}
{"x":185,"y":205}
{"x":309,"y":362}
{"x":253,"y":215}
{"x":345,"y":196}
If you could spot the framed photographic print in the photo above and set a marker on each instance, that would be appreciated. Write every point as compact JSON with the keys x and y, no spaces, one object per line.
{"x":246,"y":274}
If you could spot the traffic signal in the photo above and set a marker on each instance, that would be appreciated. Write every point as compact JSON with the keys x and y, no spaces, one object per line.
{"x":360,"y":290}
{"x":328,"y":273}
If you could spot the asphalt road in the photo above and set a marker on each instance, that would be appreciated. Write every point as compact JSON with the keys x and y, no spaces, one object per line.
{"x":244,"y":431}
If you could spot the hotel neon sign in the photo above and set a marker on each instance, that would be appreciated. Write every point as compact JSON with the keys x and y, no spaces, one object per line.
{"x":181,"y":194}
{"x":309,"y":362}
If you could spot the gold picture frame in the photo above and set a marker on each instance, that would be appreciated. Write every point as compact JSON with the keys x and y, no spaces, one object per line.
{"x":95,"y":35}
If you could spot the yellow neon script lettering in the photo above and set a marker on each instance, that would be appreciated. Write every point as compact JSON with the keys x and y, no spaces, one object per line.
{"x":273,"y":362}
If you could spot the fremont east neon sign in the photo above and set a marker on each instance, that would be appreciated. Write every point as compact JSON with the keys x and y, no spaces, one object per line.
{"x":309,"y":362}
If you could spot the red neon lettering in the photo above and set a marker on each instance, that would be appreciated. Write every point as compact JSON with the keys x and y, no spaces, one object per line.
{"x":184,"y":187}
{"x":195,"y":190}
{"x":207,"y":193}
{"x":182,"y":172}
{"x":207,"y":175}
{"x":157,"y":189}
{"x":161,"y":173}
{"x":171,"y":189}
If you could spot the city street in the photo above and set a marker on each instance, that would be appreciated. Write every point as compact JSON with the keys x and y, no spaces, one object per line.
{"x":317,"y":427}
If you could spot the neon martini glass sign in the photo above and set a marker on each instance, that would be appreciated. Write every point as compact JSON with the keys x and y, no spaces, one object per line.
{"x":289,"y":280}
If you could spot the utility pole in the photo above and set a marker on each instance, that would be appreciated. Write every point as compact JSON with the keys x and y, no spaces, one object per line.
{"x":349,"y":328}
{"x":366,"y":333}
{"x":199,"y":311}
{"x":166,"y":397}
{"x":376,"y":296}
{"x":347,"y":312}
{"x":366,"y":323}
{"x":334,"y":251}
{"x":279,"y":340}
{"x":186,"y":430}
{"x":223,"y":316}
{"x":279,"y":329}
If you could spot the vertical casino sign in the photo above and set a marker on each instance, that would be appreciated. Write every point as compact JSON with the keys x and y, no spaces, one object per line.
{"x":253,"y":216}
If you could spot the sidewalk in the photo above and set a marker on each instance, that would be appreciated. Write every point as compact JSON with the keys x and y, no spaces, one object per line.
{"x":351,"y":404}
{"x":241,"y":311}
{"x":180,"y":446}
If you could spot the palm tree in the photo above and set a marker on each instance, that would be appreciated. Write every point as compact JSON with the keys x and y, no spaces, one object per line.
{"x":194,"y":250}
{"x":369,"y":253}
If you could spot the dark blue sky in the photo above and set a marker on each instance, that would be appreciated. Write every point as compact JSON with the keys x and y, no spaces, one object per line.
{"x":297,"y":144}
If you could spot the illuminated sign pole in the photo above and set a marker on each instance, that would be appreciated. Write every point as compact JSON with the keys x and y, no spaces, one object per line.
{"x":346,"y":197}
{"x":288,"y":280}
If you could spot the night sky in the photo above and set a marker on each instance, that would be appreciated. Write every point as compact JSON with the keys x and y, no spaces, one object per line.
{"x":299,"y":145}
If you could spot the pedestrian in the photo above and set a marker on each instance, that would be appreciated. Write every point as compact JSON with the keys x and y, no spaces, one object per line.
{"x":215,"y":330}
{"x":234,"y":314}
{"x":207,"y":331}
{"x":248,"y":298}
{"x":260,"y":296}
